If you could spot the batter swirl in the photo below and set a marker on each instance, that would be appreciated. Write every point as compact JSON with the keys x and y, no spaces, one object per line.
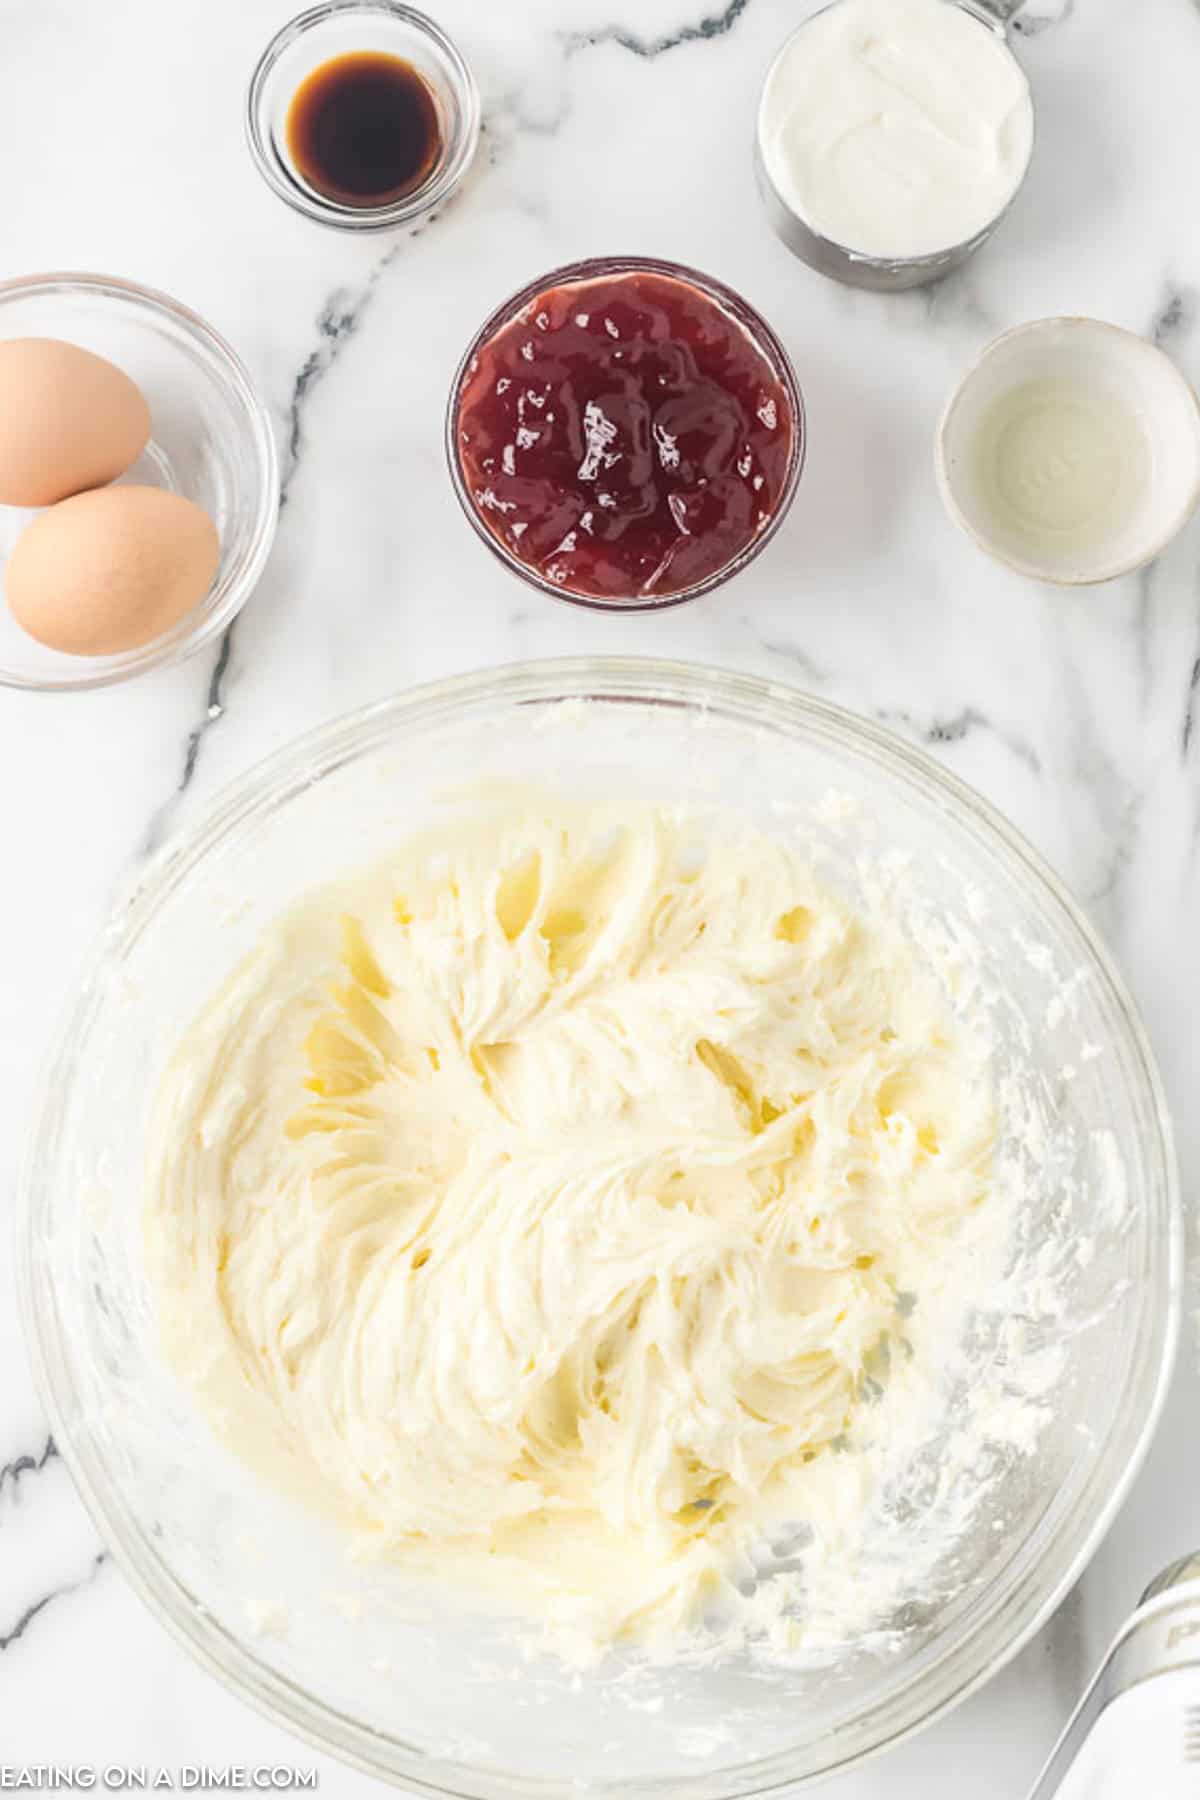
{"x":549,"y":1201}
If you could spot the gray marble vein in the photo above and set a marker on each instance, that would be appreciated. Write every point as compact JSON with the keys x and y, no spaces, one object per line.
{"x":712,"y":25}
{"x":1120,"y":855}
{"x":1175,"y":317}
{"x":1189,"y":710}
{"x":17,"y":1631}
{"x":511,"y":115}
{"x":1172,"y":329}
{"x":32,"y":1463}
{"x":953,"y":729}
{"x":1142,"y":631}
{"x":1118,"y":815}
{"x":337,"y":322}
{"x":800,"y":659}
{"x":957,"y":300}
{"x":214,"y":709}
{"x":937,"y":732}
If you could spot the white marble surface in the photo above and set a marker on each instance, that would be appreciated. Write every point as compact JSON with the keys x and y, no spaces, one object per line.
{"x":611,"y":125}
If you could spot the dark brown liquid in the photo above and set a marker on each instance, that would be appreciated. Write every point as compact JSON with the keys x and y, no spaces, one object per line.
{"x":363,"y":129}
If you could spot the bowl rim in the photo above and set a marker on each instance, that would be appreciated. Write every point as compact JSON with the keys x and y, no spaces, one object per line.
{"x":1120,"y":342}
{"x":436,"y":190}
{"x":1012,"y":1616}
{"x":930,"y":265}
{"x":235,"y":588}
{"x":766,"y":340}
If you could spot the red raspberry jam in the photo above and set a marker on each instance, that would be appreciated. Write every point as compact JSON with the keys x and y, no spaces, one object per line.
{"x":624,"y":438}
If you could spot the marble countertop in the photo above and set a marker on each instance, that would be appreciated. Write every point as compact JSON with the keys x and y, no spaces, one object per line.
{"x":611,"y":125}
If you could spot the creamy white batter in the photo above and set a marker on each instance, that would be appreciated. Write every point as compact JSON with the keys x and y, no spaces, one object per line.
{"x":571,"y":1203}
{"x":896,"y":128}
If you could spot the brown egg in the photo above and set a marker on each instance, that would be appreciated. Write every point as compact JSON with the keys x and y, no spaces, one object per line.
{"x":68,"y":421}
{"x":111,"y":569}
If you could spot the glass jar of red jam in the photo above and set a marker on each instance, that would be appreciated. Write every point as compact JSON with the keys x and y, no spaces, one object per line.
{"x":625,"y":433}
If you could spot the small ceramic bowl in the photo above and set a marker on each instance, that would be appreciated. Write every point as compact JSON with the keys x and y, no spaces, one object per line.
{"x":211,"y":440}
{"x":1071,"y":451}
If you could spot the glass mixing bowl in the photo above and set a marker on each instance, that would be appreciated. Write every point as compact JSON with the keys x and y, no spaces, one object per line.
{"x":263,"y":1594}
{"x":211,"y":441}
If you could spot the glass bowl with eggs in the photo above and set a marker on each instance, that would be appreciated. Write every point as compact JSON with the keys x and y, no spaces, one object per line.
{"x":139,"y":487}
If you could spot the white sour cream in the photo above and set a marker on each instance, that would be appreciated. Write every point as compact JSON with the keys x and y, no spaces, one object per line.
{"x":896,"y":128}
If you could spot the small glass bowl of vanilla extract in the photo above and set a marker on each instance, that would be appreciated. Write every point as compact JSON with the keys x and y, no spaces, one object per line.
{"x":362,"y":114}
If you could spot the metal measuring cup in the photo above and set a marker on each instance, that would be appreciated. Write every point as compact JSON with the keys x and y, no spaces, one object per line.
{"x":884,"y":275}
